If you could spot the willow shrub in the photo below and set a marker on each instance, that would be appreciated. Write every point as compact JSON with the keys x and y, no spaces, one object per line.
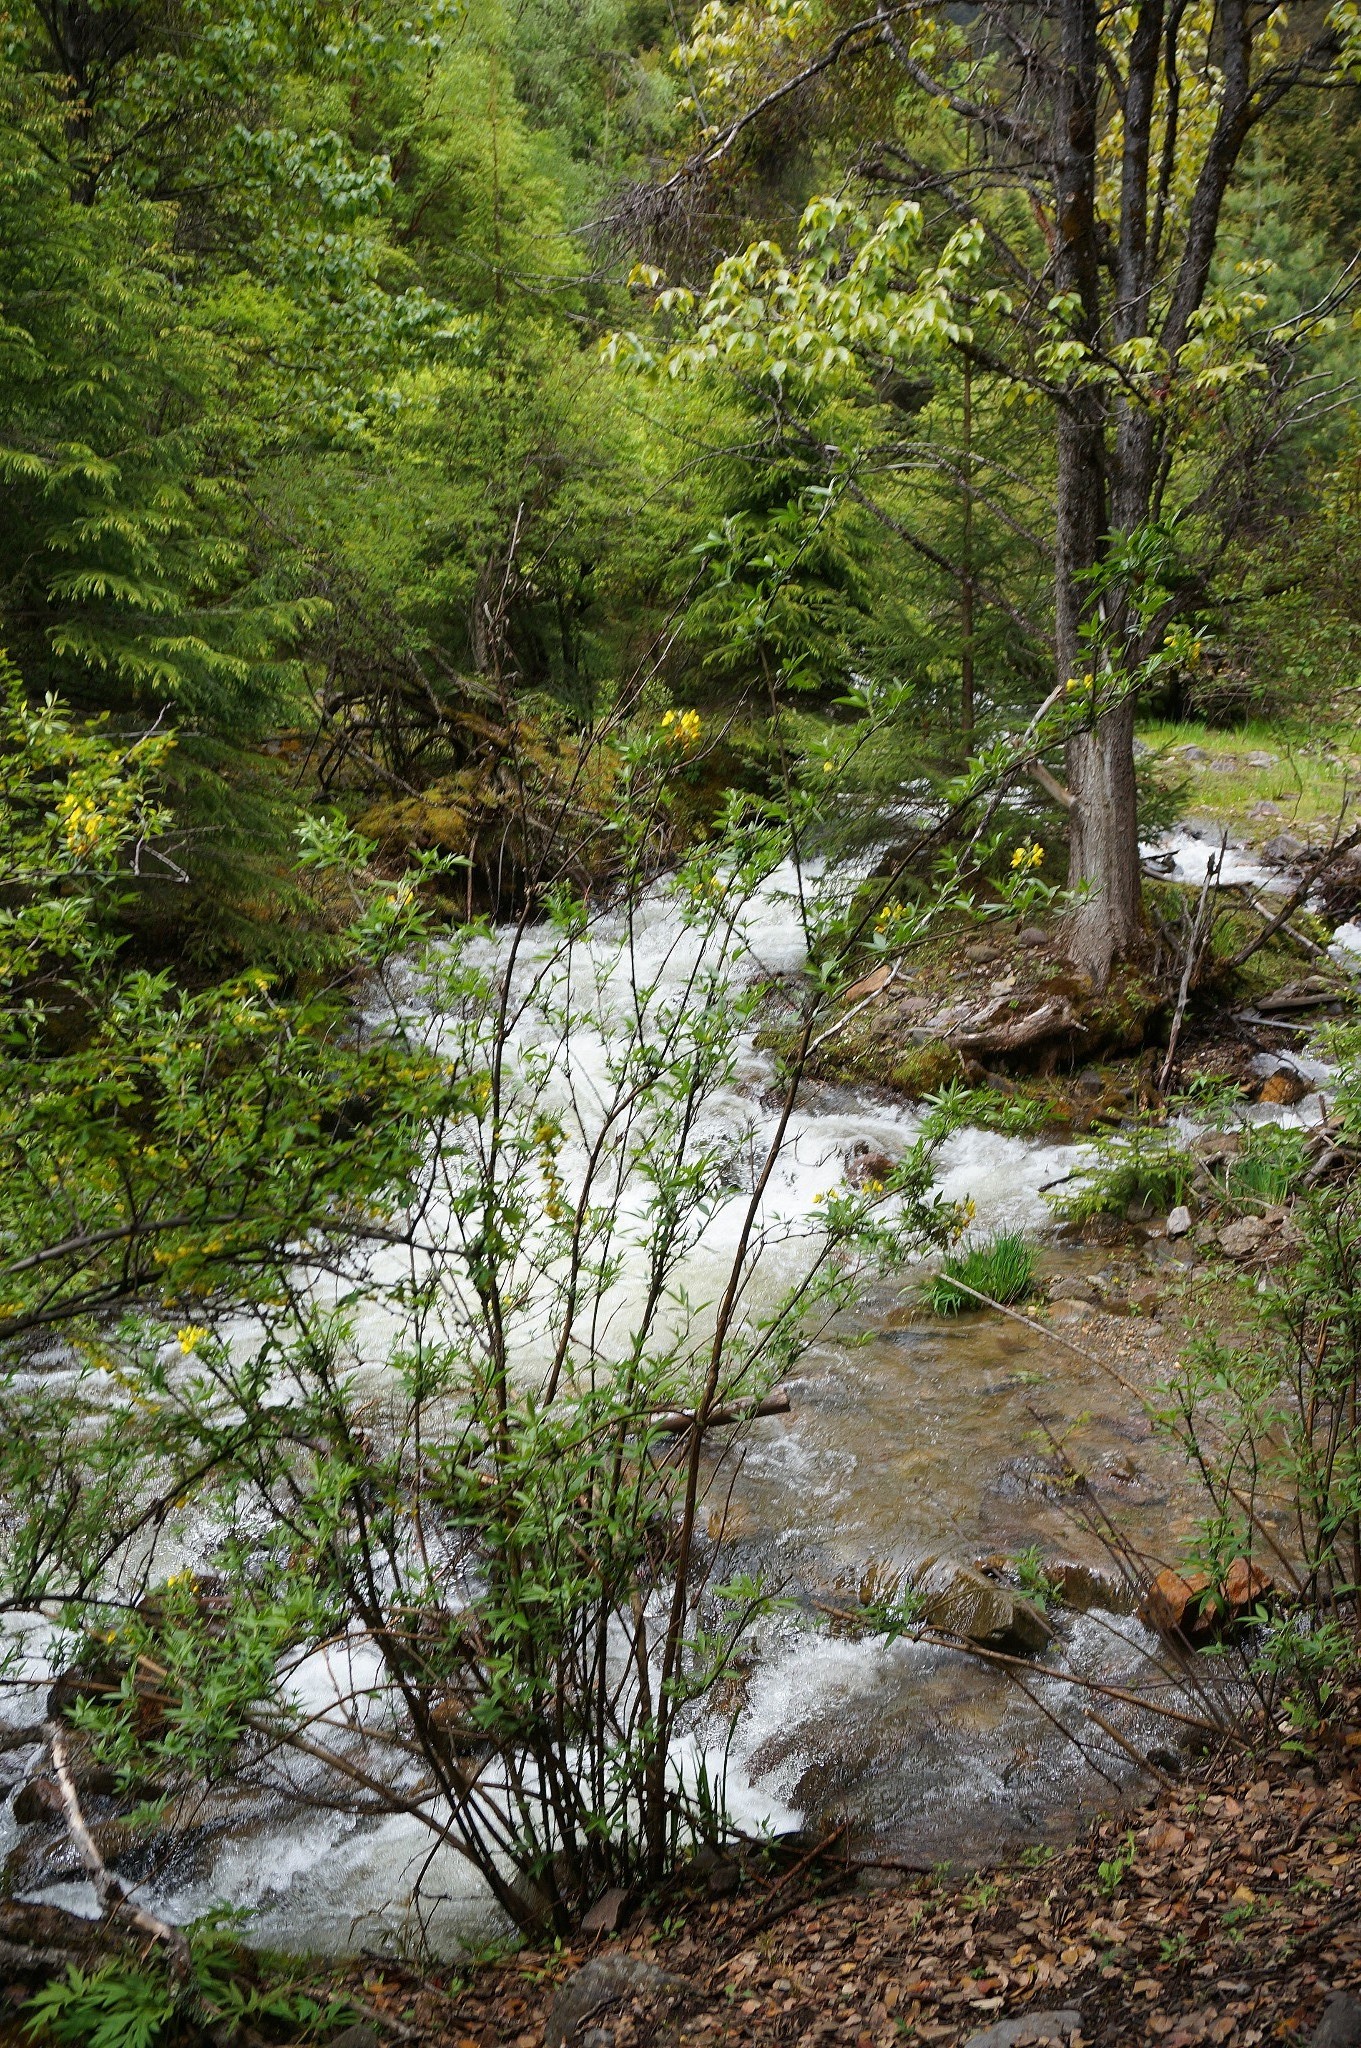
{"x":409,"y":1509}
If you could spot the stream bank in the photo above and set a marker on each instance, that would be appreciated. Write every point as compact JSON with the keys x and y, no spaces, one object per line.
{"x":1225,"y":1910}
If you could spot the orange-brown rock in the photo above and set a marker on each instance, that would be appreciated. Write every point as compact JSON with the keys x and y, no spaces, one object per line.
{"x":1245,"y":1582}
{"x":1164,"y":1605}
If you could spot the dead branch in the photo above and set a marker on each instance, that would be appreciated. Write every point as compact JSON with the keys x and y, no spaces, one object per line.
{"x":1296,"y":896}
{"x":112,"y":1894}
{"x":1195,"y":946}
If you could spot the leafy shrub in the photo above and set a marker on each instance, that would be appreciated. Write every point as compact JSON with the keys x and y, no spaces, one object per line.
{"x":116,"y":2006}
{"x":1003,"y":1269}
{"x":957,"y":1104}
{"x":1145,"y":1163}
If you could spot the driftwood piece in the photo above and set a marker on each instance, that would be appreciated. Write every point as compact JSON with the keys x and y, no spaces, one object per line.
{"x":1003,"y":1029}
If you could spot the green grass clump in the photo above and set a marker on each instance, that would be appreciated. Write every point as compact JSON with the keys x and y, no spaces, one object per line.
{"x":1003,"y":1269}
{"x":1145,"y":1163}
{"x":1270,"y":1166}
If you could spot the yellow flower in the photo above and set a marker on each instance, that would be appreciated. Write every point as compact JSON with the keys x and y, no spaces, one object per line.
{"x":191,"y":1336}
{"x":829,"y":767}
{"x":1031,"y":856}
{"x":682,"y":727}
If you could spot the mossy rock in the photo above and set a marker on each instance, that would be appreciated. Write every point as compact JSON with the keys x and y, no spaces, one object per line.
{"x":925,"y":1069}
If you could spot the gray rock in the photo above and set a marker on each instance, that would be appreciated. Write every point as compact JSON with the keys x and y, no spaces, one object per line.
{"x":962,"y":1602}
{"x":1340,"y":2026}
{"x":605,"y":1981}
{"x":1193,"y":753}
{"x":1072,"y":1287}
{"x":360,"y":2036}
{"x":603,"y":1918}
{"x":1264,"y":810}
{"x":915,"y":1006}
{"x":1284,"y":849}
{"x":1178,"y":1220}
{"x":981,"y":953}
{"x":1028,"y":2026}
{"x":1241,"y":1239}
{"x":1032,"y":936}
{"x":1225,"y":764}
{"x":1263,"y":760}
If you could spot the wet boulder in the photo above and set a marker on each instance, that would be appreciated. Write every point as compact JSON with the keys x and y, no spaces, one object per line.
{"x":1286,"y":1085}
{"x":960,"y":1601}
{"x":1072,"y":1287}
{"x":1284,"y":850}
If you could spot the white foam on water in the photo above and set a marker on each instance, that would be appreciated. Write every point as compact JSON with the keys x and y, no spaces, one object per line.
{"x":322,"y":1880}
{"x":1192,"y":851}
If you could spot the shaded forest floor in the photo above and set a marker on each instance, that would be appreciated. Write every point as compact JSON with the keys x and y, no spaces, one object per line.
{"x":1225,"y":1911}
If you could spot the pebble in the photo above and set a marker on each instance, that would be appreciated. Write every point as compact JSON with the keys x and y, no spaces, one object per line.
{"x":1178,"y":1221}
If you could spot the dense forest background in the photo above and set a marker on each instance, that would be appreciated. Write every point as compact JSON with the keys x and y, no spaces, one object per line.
{"x":312,"y":451}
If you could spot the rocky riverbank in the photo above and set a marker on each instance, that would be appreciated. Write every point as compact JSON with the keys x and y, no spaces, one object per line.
{"x":1224,"y":1911}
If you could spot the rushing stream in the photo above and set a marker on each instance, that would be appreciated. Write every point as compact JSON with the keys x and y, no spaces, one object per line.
{"x":906,"y":1437}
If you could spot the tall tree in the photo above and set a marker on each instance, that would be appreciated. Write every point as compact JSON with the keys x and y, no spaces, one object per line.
{"x":1095,"y":146}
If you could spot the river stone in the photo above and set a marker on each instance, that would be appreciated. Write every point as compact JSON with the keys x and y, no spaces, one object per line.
{"x":1340,"y":2026}
{"x":607,"y":1980}
{"x":1072,"y":1287}
{"x":1178,"y":1220}
{"x":1263,"y":760}
{"x":961,"y":1602}
{"x":1264,"y":810}
{"x":1032,"y":936}
{"x":1026,"y":2027}
{"x":981,"y":953}
{"x":1193,"y":753}
{"x":360,"y":2036}
{"x":1241,"y":1239}
{"x":1284,"y":849}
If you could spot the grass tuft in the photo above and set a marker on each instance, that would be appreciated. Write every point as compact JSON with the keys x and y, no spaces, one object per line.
{"x":1003,"y":1269}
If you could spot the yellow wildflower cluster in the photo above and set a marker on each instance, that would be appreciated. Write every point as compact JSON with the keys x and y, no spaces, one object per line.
{"x":1031,"y":856}
{"x":191,"y":1336}
{"x":84,"y":823}
{"x":1075,"y":683}
{"x":681,"y":727}
{"x":888,"y":915}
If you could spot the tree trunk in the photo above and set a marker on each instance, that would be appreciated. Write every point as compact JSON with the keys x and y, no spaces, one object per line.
{"x":1107,"y":924}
